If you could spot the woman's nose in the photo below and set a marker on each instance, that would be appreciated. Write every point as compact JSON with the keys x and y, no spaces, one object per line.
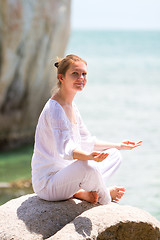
{"x":81,"y":76}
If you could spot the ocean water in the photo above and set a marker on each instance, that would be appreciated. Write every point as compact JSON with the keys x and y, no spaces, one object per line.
{"x":122,"y":101}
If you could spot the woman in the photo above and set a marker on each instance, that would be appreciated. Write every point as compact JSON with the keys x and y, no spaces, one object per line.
{"x":67,"y":161}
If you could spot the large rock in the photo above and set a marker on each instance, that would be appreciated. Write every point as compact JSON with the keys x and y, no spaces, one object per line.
{"x":111,"y":222}
{"x":32,"y":34}
{"x":29,"y":217}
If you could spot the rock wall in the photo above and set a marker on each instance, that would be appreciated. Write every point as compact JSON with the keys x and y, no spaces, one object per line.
{"x":32,"y":34}
{"x":30,"y":218}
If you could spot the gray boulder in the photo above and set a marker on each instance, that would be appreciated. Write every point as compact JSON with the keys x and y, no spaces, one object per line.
{"x":111,"y":222}
{"x":29,"y":217}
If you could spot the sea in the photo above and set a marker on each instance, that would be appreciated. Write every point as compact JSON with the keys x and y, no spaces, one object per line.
{"x":121,"y":101}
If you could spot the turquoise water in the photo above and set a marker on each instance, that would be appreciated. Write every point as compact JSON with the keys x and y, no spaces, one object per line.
{"x":16,"y":164}
{"x":122,"y":101}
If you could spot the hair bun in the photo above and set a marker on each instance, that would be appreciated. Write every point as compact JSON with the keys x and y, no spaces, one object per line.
{"x":56,"y":64}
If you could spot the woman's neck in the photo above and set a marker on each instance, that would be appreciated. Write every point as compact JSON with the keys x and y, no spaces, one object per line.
{"x":64,"y":97}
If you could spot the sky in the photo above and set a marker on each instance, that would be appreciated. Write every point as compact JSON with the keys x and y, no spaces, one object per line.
{"x":116,"y":14}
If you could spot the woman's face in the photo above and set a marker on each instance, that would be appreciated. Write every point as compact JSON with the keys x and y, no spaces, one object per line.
{"x":75,"y":77}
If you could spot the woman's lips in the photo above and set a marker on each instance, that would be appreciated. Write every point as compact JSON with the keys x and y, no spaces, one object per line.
{"x":80,"y":84}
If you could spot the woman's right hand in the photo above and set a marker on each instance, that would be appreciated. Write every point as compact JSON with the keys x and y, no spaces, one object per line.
{"x":98,"y":156}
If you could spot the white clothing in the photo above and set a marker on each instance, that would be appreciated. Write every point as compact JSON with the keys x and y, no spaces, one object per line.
{"x":87,"y":175}
{"x":55,"y":139}
{"x":55,"y":174}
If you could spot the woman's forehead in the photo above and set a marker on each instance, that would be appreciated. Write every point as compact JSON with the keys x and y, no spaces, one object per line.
{"x":79,"y":65}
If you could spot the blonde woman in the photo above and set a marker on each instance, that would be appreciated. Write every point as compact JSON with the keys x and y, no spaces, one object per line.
{"x":67,"y":161}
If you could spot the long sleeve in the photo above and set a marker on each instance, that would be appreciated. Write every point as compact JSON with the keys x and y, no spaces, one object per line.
{"x":62,"y":134}
{"x":63,"y":141}
{"x":55,"y":140}
{"x":87,"y":140}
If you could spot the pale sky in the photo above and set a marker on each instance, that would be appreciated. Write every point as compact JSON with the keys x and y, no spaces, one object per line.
{"x":116,"y":14}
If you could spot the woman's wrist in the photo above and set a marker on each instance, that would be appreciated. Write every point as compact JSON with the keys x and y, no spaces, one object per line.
{"x":118,"y":146}
{"x":102,"y":146}
{"x":81,"y":155}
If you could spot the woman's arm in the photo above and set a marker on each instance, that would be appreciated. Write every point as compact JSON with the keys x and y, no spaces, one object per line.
{"x":124,"y":145}
{"x":96,"y":156}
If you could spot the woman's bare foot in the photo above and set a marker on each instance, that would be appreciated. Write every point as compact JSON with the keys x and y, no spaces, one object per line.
{"x":91,"y":197}
{"x":117,"y":193}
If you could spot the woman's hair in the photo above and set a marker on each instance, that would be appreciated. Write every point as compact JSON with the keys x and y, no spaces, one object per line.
{"x":63,"y":65}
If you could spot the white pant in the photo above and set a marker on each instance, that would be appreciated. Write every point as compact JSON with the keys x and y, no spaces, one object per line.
{"x":87,"y":175}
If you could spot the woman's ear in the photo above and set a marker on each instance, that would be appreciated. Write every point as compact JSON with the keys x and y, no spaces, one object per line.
{"x":60,"y":77}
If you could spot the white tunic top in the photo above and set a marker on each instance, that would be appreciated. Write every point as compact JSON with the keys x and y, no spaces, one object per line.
{"x":55,"y":139}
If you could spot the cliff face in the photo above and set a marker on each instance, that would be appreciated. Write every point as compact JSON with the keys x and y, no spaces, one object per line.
{"x":32,"y":33}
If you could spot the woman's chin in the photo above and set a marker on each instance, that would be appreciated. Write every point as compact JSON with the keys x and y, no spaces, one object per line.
{"x":79,"y":88}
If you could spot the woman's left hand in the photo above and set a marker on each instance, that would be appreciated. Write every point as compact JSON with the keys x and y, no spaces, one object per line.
{"x":128,"y":145}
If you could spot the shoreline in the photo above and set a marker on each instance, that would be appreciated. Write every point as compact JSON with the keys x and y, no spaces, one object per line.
{"x":14,"y":189}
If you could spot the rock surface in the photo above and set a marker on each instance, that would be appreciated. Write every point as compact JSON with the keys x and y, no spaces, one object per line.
{"x":111,"y":222}
{"x":29,"y":217}
{"x":32,"y":34}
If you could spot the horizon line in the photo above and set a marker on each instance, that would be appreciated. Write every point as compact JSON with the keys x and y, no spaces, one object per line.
{"x":118,"y":29}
